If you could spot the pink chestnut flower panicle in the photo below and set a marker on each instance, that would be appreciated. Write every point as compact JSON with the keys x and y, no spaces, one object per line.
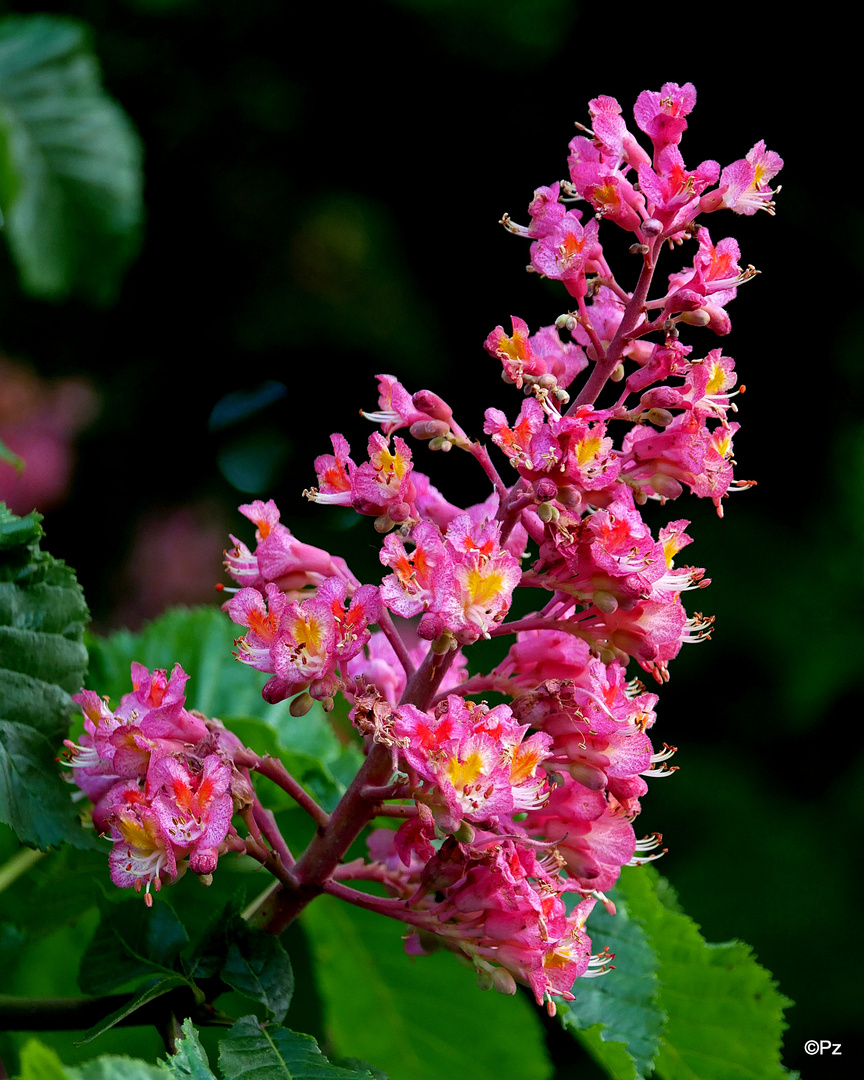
{"x":501,"y":811}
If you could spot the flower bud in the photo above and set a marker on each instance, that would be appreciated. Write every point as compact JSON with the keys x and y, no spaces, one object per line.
{"x":399,"y":512}
{"x":430,"y":429}
{"x":301,"y":704}
{"x":659,"y":417}
{"x":666,"y":486}
{"x":503,"y":981}
{"x":465,"y":833}
{"x":545,"y":489}
{"x":203,"y":862}
{"x":700,"y":317}
{"x":570,"y":498}
{"x":430,"y":627}
{"x":548,"y":512}
{"x":325,"y":688}
{"x":484,"y":978}
{"x":605,"y":601}
{"x":429,"y":403}
{"x":662,"y":397}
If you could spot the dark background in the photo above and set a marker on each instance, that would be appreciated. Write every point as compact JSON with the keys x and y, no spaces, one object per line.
{"x":323,"y":190}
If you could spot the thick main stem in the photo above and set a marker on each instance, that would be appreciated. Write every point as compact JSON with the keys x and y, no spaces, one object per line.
{"x":329,"y":845}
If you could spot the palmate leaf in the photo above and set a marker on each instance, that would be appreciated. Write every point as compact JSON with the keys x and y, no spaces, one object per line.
{"x":617,"y":1016}
{"x":70,"y":163}
{"x":253,"y":1052}
{"x":725,"y":1015}
{"x":42,"y":662}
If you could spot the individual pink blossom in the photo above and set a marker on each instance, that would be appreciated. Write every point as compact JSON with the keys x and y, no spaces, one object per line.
{"x":564,"y":254}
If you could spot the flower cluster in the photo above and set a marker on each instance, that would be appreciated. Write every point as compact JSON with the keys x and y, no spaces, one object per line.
{"x":161,"y":780}
{"x":513,"y":820}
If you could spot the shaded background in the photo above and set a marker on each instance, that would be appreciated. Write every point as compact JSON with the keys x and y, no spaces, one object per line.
{"x":323,"y":192}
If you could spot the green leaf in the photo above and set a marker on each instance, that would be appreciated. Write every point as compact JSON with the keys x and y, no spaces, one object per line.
{"x":252,"y":1052}
{"x":34,"y":801}
{"x":189,"y":1062}
{"x":70,"y":163}
{"x":623,"y":1003}
{"x":725,"y":1015}
{"x":258,"y":966}
{"x":145,"y":995}
{"x":418,"y":1018}
{"x":40,"y":1062}
{"x":132,"y":941}
{"x":115,"y":1067}
{"x":42,"y":661}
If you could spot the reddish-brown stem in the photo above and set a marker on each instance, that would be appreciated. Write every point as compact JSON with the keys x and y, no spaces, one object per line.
{"x":388,"y":628}
{"x":274,"y":770}
{"x":267,"y":824}
{"x":604,"y":368}
{"x":396,"y":810}
{"x":392,"y":908}
{"x":329,"y":845}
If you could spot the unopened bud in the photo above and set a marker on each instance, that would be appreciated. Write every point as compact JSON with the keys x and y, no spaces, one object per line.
{"x":465,"y":833}
{"x":652,"y":227}
{"x":484,"y":978}
{"x":503,"y":981}
{"x":325,"y":688}
{"x":399,"y":512}
{"x":383,"y":523}
{"x":301,"y":704}
{"x":662,"y":397}
{"x":545,"y":489}
{"x":569,"y":497}
{"x":444,"y":644}
{"x":666,"y":486}
{"x":659,"y":417}
{"x":618,"y":374}
{"x":548,"y":512}
{"x":605,"y":601}
{"x":430,"y":627}
{"x":440,"y":443}
{"x":430,"y":429}
{"x":699,"y":317}
{"x":203,"y":862}
{"x":429,"y":403}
